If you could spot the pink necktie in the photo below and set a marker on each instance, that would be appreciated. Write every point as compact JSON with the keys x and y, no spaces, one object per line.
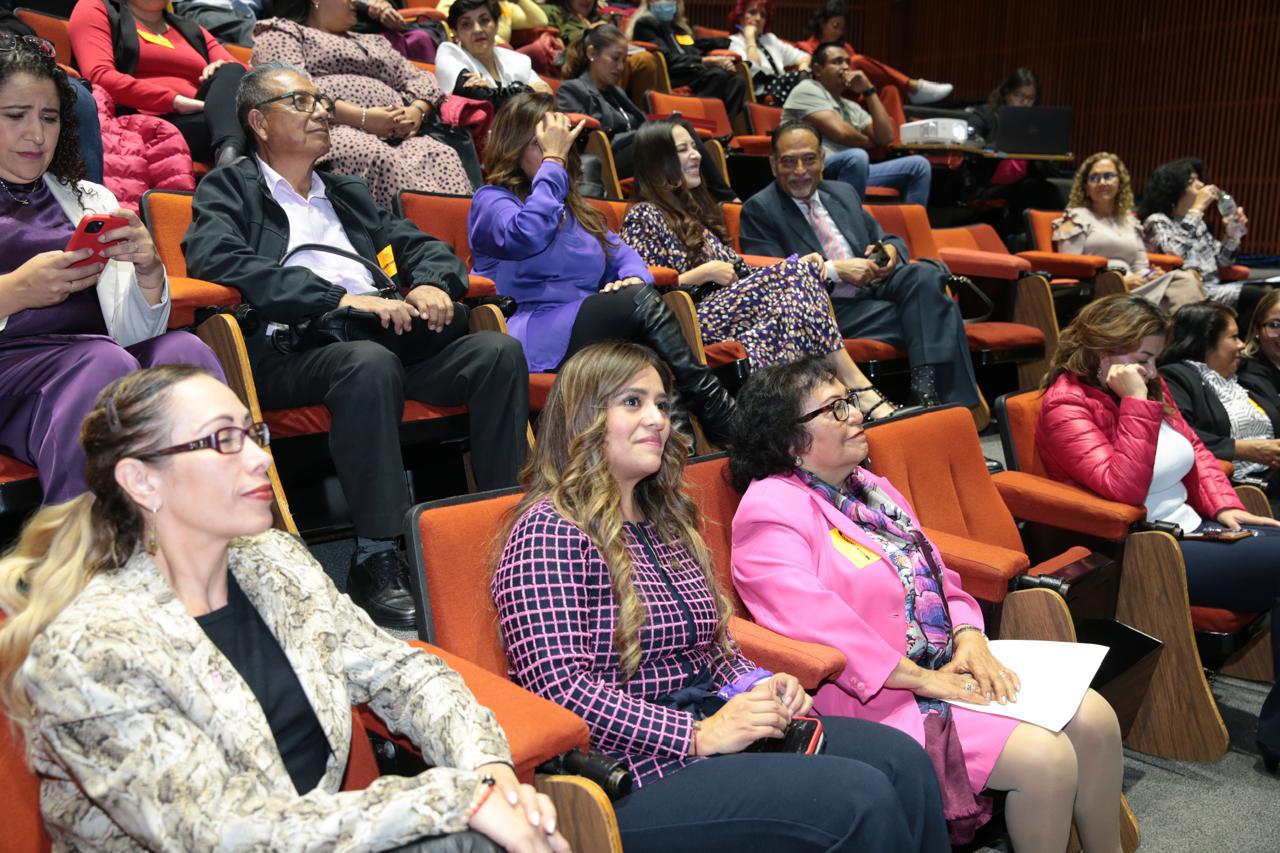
{"x":832,"y":246}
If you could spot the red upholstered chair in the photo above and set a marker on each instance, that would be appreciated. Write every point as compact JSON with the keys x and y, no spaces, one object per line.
{"x":1020,"y":343}
{"x":709,"y":118}
{"x":52,"y":28}
{"x":1090,"y":270}
{"x":1180,"y":718}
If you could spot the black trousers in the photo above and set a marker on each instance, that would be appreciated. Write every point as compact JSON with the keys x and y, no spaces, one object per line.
{"x":912,"y":309}
{"x":873,"y":788}
{"x":1242,"y":576}
{"x":217,"y":125}
{"x":364,"y":386}
{"x":709,"y":82}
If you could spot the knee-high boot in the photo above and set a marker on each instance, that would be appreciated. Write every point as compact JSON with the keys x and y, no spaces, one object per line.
{"x":698,"y":386}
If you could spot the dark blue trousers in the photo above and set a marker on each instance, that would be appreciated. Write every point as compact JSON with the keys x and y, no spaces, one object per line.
{"x":1244,"y":576}
{"x":873,"y":788}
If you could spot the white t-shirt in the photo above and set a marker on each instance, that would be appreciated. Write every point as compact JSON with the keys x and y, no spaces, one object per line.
{"x":451,"y":61}
{"x":1167,"y":497}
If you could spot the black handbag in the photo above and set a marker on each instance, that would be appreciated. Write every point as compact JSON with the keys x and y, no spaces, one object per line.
{"x":343,"y":325}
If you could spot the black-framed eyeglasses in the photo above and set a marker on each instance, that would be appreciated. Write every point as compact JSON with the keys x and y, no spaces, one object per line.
{"x":839,"y":409}
{"x":228,"y":440}
{"x":9,"y":41}
{"x":303,"y":102}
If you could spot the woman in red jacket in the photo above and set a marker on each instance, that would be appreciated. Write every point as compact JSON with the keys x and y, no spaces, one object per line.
{"x":153,"y":62}
{"x":1107,"y":424}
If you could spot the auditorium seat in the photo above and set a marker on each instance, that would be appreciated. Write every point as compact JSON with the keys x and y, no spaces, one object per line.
{"x":1090,"y":270}
{"x":1180,"y":719}
{"x":450,"y":541}
{"x":52,"y":28}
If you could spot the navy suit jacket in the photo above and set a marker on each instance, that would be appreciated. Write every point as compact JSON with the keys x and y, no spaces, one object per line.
{"x":773,"y":225}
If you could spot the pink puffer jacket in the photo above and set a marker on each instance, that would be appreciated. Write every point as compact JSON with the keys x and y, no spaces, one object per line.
{"x":1085,"y":437}
{"x":140,"y":153}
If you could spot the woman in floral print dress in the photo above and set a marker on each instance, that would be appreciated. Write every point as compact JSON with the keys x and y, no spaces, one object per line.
{"x":779,"y":313}
{"x":382,"y":99}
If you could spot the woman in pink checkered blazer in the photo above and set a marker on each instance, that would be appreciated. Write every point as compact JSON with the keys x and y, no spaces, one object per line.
{"x":609,"y":606}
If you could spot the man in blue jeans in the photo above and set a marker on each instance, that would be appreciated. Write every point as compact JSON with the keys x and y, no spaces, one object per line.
{"x":848,"y":131}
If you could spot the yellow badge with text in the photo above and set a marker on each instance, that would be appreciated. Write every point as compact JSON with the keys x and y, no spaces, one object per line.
{"x":854,"y":552}
{"x":155,"y":39}
{"x":387,"y":260}
{"x":683,"y":39}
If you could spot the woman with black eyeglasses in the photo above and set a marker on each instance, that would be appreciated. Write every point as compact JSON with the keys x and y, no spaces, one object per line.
{"x":185,"y":675}
{"x":70,"y":322}
{"x":827,"y":552}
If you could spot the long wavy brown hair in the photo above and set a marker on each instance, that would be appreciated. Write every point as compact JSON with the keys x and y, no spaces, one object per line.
{"x":512,"y":129}
{"x":660,"y":182}
{"x":568,"y":465}
{"x":1113,"y":325}
{"x":66,"y":166}
{"x":1124,"y":198}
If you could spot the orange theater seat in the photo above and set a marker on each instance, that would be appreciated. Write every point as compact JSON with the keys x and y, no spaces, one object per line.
{"x":51,"y":28}
{"x":167,"y":214}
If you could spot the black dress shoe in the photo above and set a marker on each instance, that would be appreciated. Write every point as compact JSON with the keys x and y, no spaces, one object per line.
{"x":377,"y":585}
{"x":1270,"y":760}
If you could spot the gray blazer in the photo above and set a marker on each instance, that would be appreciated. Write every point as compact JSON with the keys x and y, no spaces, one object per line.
{"x":145,"y":736}
{"x":773,"y":225}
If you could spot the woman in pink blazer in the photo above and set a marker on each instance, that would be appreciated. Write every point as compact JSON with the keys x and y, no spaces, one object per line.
{"x":826,"y":552}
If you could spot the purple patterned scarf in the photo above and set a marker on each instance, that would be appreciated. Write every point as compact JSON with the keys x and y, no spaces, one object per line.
{"x":930,"y":643}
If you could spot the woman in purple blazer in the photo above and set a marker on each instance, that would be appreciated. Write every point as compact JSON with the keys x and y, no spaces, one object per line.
{"x":573,"y":280}
{"x":609,"y":606}
{"x":827,"y":552}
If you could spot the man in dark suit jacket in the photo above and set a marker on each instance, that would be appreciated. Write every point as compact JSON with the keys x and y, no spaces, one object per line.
{"x":901,"y":303}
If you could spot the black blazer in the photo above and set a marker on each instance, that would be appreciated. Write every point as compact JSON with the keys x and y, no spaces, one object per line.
{"x":1261,"y":377}
{"x":580,"y":95}
{"x":1205,"y":412}
{"x":773,"y":225}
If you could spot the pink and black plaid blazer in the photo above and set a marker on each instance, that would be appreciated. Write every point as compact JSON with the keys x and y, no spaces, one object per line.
{"x":558,"y":617}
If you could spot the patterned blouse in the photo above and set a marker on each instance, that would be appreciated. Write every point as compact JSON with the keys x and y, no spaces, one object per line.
{"x":1189,"y":239}
{"x":558,"y":617}
{"x":1248,"y":421}
{"x":647,"y":231}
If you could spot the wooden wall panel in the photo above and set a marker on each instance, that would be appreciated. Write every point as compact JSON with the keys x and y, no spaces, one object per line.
{"x":1150,"y":81}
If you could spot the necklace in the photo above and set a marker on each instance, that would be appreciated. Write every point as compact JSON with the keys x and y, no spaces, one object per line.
{"x":9,"y":193}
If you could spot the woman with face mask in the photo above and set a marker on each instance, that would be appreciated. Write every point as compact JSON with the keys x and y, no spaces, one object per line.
{"x":663,"y":23}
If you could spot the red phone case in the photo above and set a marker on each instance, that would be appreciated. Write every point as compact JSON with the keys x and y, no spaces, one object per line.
{"x":86,"y":236}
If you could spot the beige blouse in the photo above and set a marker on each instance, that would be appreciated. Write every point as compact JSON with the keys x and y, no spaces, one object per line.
{"x":1081,"y":232}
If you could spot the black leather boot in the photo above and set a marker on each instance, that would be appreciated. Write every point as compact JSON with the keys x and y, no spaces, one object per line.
{"x":699,"y":388}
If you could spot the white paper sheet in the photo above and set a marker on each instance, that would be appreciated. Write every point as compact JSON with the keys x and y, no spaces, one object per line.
{"x":1054,"y":679}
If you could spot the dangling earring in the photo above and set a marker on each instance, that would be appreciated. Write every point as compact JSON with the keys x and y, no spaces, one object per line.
{"x":151,"y":545}
{"x":799,"y":461}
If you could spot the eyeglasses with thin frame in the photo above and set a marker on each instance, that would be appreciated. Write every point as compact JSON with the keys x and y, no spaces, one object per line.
{"x":1103,"y":177}
{"x":227,"y":440}
{"x":303,"y":102}
{"x":9,"y":41}
{"x":839,"y":409}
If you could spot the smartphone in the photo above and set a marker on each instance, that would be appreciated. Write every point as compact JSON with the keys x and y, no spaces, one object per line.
{"x":879,"y":255}
{"x":1220,"y":535}
{"x":802,"y":736}
{"x":86,"y":236}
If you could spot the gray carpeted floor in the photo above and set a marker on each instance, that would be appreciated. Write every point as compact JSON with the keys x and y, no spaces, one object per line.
{"x":1230,"y":805}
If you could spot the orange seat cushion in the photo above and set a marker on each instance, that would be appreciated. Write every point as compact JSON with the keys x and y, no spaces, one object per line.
{"x":979,"y":264}
{"x":539,"y":389}
{"x":985,"y":569}
{"x":309,"y":420}
{"x":11,"y":470}
{"x":757,"y":145}
{"x":883,"y":192}
{"x":866,"y":349}
{"x":1220,"y":621}
{"x":999,"y":336}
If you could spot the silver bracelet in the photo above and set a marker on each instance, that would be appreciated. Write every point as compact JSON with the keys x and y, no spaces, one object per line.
{"x":960,"y":629}
{"x":364,"y":114}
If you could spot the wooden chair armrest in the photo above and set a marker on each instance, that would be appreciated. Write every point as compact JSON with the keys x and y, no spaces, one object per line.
{"x":478,"y":285}
{"x":188,"y":295}
{"x":1164,"y":262}
{"x":761,"y":260}
{"x":811,"y":663}
{"x":664,"y":276}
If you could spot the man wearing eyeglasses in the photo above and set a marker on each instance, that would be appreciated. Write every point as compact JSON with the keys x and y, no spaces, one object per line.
{"x":248,"y":216}
{"x":901,"y":303}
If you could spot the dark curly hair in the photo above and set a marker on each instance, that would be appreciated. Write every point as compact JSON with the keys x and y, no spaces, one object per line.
{"x":1196,"y":329}
{"x":1167,"y":184}
{"x":767,"y":434}
{"x":67,"y":165}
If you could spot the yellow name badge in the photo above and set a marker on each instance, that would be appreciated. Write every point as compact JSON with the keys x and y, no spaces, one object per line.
{"x":683,"y":39}
{"x":855,"y":553}
{"x":387,"y":260}
{"x":155,"y":39}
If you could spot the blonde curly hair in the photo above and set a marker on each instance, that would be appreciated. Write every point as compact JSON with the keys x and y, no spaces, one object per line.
{"x":1124,"y":198}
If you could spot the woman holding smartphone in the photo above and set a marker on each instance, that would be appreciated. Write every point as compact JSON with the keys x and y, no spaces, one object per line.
{"x":609,"y":606}
{"x":67,"y":328}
